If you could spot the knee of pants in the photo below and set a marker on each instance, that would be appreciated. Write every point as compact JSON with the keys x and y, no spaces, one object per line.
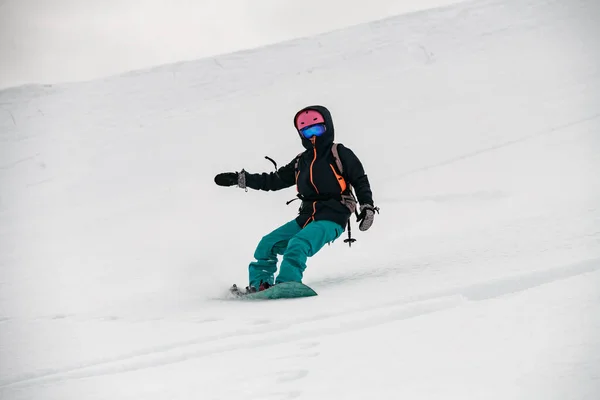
{"x":263,"y":249}
{"x":299,"y":245}
{"x":266,"y":249}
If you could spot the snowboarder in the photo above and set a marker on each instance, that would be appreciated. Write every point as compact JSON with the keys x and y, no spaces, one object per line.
{"x":327,"y":201}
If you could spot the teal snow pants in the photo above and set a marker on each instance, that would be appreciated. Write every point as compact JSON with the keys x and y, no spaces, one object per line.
{"x":296,"y":244}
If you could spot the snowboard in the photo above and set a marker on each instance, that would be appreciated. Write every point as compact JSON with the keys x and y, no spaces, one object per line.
{"x":286,"y":290}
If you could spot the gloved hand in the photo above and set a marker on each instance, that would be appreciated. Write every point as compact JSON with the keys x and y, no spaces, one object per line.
{"x":366,"y":216}
{"x":231,"y":178}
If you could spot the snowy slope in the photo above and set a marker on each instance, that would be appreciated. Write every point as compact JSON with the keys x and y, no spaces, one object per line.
{"x":479,"y":127}
{"x":114,"y":36}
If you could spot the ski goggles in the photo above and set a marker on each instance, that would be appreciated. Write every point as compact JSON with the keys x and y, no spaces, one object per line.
{"x":313,"y":130}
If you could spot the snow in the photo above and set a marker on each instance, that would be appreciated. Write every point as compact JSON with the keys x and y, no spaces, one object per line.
{"x":478,"y":125}
{"x":115,"y":36}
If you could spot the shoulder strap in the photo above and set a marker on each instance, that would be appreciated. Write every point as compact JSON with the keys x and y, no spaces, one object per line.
{"x":297,"y":161}
{"x":336,"y":155}
{"x":349,"y":200}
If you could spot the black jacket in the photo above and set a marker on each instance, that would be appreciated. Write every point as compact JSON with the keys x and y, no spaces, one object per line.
{"x":317,"y":178}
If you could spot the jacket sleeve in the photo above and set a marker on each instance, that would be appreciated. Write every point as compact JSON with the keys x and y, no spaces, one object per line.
{"x":355,"y":174}
{"x":283,"y":178}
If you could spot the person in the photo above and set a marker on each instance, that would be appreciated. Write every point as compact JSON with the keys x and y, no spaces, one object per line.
{"x":327,"y":201}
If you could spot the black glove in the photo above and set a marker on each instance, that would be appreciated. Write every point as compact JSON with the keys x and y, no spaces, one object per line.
{"x":366,"y":216}
{"x":231,"y":178}
{"x":227,"y":179}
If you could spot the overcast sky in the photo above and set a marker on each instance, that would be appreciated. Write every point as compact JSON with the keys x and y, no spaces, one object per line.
{"x":49,"y":41}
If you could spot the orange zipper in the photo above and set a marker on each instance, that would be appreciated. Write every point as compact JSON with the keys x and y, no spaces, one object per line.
{"x":312,"y":217}
{"x":313,"y":163}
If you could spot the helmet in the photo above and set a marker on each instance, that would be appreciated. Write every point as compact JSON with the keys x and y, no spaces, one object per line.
{"x":308,"y":118}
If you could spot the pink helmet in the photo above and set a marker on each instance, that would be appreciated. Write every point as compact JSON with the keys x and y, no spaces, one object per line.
{"x":308,"y":118}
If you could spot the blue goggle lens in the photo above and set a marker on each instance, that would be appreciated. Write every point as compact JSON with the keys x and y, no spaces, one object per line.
{"x":314,"y":130}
